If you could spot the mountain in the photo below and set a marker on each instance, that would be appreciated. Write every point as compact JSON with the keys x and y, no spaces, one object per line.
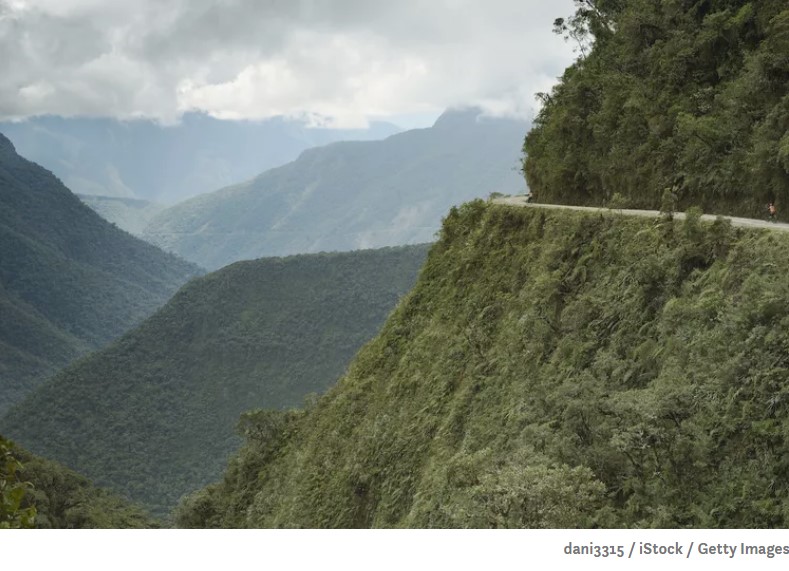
{"x":130,"y":214}
{"x":152,"y":416}
{"x":548,"y":369}
{"x":682,"y":102}
{"x":166,"y":163}
{"x":56,"y":497}
{"x":349,"y":195}
{"x":69,"y":281}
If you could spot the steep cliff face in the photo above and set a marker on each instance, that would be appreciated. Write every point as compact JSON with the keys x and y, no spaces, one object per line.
{"x":547,"y":370}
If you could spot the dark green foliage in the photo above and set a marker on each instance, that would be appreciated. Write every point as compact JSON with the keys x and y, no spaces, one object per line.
{"x":549,"y":369}
{"x":69,"y":281}
{"x":56,"y":497}
{"x":153,"y":415}
{"x":689,"y":96}
{"x":349,"y":195}
{"x":12,"y":491}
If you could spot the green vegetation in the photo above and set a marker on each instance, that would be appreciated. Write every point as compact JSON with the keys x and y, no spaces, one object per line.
{"x":549,"y":369}
{"x":12,"y":491}
{"x":690,"y":96}
{"x":152,"y":416}
{"x":43,"y":494}
{"x":69,"y":280}
{"x":349,"y":195}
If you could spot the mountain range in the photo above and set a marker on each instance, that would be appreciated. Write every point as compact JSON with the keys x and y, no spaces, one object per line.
{"x":146,"y":160}
{"x":350,"y":195}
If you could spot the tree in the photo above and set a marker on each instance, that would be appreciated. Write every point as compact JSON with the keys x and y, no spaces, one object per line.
{"x":12,"y":491}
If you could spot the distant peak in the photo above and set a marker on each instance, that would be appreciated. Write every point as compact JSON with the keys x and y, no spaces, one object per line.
{"x":457,"y":116}
{"x":7,"y":149}
{"x":5,"y":143}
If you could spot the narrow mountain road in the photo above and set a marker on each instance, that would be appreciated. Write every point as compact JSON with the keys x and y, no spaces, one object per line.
{"x":735,"y":221}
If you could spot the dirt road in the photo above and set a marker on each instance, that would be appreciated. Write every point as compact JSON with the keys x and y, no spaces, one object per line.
{"x":736,"y":221}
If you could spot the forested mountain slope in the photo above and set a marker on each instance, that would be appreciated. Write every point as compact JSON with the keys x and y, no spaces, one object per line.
{"x":549,"y":369}
{"x":153,"y":415}
{"x":687,"y":96}
{"x":350,"y":195}
{"x":69,"y":280}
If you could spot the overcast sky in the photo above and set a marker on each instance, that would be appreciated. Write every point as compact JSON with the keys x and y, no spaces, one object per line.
{"x":340,"y":62}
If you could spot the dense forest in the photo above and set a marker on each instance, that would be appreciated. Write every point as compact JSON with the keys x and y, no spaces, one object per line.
{"x":35,"y":492}
{"x":549,"y":369}
{"x":675,"y":103}
{"x":153,"y":415}
{"x":69,"y":281}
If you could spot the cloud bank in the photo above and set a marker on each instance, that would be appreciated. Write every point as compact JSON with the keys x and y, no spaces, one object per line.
{"x":338,"y":63}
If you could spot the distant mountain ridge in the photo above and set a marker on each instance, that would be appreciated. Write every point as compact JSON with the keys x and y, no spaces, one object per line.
{"x":69,"y":280}
{"x":350,"y":195}
{"x":146,"y":160}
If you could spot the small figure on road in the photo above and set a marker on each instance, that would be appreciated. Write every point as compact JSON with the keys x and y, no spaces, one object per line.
{"x":772,"y":211}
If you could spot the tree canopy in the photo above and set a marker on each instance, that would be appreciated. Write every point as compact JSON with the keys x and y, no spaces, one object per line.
{"x":686,"y":95}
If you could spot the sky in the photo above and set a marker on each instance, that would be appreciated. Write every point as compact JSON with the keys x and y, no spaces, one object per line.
{"x":335,"y":63}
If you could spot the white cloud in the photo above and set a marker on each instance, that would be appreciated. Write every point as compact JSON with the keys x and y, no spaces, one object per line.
{"x":343,"y":61}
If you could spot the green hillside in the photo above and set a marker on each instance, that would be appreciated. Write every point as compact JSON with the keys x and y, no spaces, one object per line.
{"x":69,"y":280}
{"x":349,"y":195}
{"x":686,"y":96}
{"x":549,"y":369}
{"x":55,"y":497}
{"x":153,"y":415}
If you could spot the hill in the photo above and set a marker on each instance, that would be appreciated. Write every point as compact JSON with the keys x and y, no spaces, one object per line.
{"x":60,"y":498}
{"x":166,"y":163}
{"x":69,"y":281}
{"x":685,"y":97}
{"x":549,"y":369}
{"x":129,"y":214}
{"x":153,"y":415}
{"x":349,"y":195}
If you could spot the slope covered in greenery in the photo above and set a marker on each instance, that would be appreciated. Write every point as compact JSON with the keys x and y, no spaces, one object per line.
{"x":153,"y":415}
{"x":69,"y":280}
{"x":349,"y":195}
{"x":690,"y":96}
{"x":549,"y":369}
{"x":53,"y":496}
